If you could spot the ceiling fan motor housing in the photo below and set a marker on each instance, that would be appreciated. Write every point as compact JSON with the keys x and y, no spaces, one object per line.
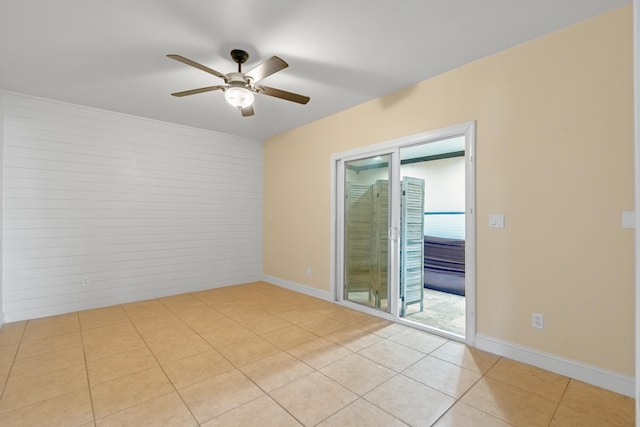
{"x":239,"y":80}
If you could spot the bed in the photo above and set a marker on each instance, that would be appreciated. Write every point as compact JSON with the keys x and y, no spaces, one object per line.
{"x":444,"y":264}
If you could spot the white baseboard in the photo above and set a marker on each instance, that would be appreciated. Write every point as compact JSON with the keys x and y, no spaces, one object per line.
{"x":303,"y":289}
{"x":570,"y":368}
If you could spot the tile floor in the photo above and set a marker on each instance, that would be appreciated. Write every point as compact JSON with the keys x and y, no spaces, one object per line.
{"x":256,"y":354}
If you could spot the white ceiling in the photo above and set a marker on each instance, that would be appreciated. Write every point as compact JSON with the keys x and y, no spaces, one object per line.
{"x":110,"y":54}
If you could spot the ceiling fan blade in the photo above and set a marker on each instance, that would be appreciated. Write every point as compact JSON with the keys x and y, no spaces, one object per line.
{"x":283,"y":94}
{"x":266,"y":68}
{"x":247,"y":111}
{"x":195,"y":91}
{"x":187,"y":61}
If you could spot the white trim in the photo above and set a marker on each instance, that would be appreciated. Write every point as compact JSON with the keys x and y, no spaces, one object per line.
{"x":470,"y":234}
{"x":570,"y":368}
{"x":448,"y":132}
{"x":468,"y":130}
{"x":303,"y":289}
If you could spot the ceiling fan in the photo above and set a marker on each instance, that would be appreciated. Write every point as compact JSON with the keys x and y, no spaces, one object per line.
{"x":239,"y":88}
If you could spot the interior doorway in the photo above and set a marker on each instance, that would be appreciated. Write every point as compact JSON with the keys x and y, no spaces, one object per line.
{"x":404,"y":230}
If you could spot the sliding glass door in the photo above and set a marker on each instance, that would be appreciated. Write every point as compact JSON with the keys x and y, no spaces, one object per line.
{"x":404,"y":230}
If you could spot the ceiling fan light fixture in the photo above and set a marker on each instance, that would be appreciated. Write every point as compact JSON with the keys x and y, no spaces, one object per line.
{"x":239,"y":97}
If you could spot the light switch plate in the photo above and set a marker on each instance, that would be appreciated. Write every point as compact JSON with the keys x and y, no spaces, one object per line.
{"x":628,"y":219}
{"x":496,"y":220}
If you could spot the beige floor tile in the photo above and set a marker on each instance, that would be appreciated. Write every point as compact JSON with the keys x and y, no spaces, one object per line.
{"x":183,"y":303}
{"x":322,"y":326}
{"x":273,"y":323}
{"x":381,"y":327}
{"x":113,"y":346}
{"x":147,"y":308}
{"x":509,"y":403}
{"x":275,"y":371}
{"x":443,"y":376}
{"x":158,"y":321}
{"x":245,"y":352}
{"x":323,"y":308}
{"x":211,"y":322}
{"x":51,"y":326}
{"x":44,"y":375}
{"x":598,"y":403}
{"x":463,"y":415}
{"x":276,"y":306}
{"x":232,"y":305}
{"x":529,"y":378}
{"x":297,"y":298}
{"x":566,"y":416}
{"x":362,"y":413}
{"x":259,"y":321}
{"x":72,"y":409}
{"x":4,"y":373}
{"x":125,"y":392}
{"x":48,"y":345}
{"x":392,"y":355}
{"x":216,"y":294}
{"x":11,"y":333}
{"x":424,"y":342}
{"x":353,"y":338}
{"x":350,"y":317}
{"x":48,"y":362}
{"x":261,"y":412}
{"x":23,"y":391}
{"x":289,"y":337}
{"x":313,"y":398}
{"x":120,"y":365}
{"x":410,"y":401}
{"x":215,"y":396}
{"x":358,"y":374}
{"x":173,"y":331}
{"x":228,"y":335}
{"x":178,"y":348}
{"x":319,"y":352}
{"x":199,"y":367}
{"x":194,"y":313}
{"x":298,"y":315}
{"x":467,"y":357}
{"x":102,"y":333}
{"x":101,"y":317}
{"x":163,"y":411}
{"x":8,"y":353}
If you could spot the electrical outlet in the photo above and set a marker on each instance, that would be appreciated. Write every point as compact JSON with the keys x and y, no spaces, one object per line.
{"x":308,"y":271}
{"x":85,"y":280}
{"x":537,"y":320}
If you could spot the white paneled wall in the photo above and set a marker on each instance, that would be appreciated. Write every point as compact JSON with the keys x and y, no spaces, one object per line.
{"x":137,"y":208}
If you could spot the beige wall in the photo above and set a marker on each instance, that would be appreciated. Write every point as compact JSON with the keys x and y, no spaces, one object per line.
{"x":554,"y":154}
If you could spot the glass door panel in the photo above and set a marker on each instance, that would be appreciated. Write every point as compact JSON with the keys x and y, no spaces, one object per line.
{"x":366,"y":231}
{"x":432,"y":235}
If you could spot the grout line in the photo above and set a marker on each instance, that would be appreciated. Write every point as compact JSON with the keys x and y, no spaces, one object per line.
{"x":86,"y":367}
{"x":13,"y":360}
{"x":175,"y":389}
{"x":564,"y":392}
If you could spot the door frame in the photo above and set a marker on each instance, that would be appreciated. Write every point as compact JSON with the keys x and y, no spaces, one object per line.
{"x":468,"y":131}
